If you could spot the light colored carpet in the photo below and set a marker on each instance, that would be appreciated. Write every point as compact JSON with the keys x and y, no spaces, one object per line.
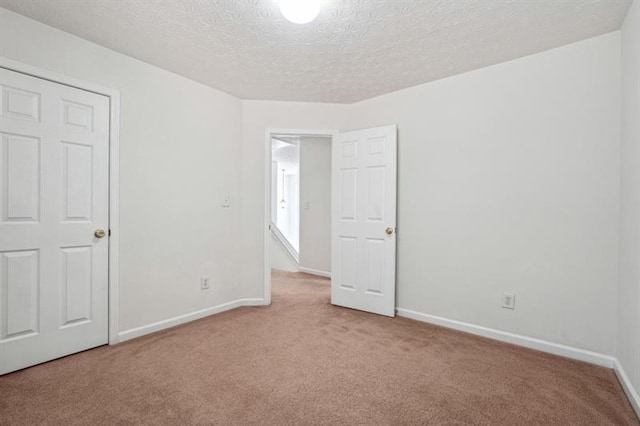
{"x":302,"y":361}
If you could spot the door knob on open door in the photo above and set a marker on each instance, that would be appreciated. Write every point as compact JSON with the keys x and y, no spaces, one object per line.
{"x":389,"y":231}
{"x":99,"y":233}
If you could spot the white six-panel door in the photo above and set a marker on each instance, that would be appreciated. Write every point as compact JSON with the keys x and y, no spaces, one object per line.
{"x":363,"y":243}
{"x":54,"y":159}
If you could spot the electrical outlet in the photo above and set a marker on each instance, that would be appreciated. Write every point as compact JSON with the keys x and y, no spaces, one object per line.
{"x":508,"y":301}
{"x":204,"y":283}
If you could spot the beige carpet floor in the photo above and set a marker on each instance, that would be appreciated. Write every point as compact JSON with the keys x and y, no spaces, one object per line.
{"x":302,"y":361}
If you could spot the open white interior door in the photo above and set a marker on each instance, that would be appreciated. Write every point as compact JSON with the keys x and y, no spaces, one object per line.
{"x":363,"y":243}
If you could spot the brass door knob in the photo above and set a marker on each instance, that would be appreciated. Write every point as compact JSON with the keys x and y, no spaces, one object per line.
{"x":389,"y":231}
{"x":99,"y":233}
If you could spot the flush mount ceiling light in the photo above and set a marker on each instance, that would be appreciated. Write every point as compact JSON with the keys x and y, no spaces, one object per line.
{"x":300,"y":11}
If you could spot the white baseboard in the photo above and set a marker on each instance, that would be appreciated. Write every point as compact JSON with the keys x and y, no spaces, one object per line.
{"x":516,"y":339}
{"x":123,"y":336}
{"x":627,"y":386}
{"x":315,"y":272}
{"x":254,"y":302}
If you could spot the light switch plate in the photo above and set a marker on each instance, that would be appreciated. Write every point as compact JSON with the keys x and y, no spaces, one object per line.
{"x":205,"y":283}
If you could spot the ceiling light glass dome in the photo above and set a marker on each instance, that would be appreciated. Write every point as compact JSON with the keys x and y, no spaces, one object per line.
{"x":300,"y":11}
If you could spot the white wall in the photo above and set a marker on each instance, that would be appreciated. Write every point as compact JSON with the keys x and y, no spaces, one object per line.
{"x":628,"y":351}
{"x":257,"y":117}
{"x":180,"y":153}
{"x":315,"y":201}
{"x":508,"y":182}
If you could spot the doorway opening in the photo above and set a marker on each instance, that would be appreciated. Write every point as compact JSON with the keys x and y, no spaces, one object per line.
{"x":285,"y":201}
{"x":297,"y":202}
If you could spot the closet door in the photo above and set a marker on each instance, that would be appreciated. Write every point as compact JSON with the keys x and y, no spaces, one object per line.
{"x":54,"y":220}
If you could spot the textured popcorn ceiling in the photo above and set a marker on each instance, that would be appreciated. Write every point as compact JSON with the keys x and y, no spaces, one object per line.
{"x":355,"y":50}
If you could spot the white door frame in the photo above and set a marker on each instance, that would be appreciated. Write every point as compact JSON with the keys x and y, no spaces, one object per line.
{"x":114,"y":172}
{"x":267,"y":194}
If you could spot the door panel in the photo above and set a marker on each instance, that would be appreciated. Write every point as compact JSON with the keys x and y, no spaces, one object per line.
{"x":20,"y":161}
{"x":76,"y":285}
{"x":364,"y":207}
{"x":19,"y":293}
{"x":77,"y":191}
{"x":348,"y":190}
{"x":375,"y":266}
{"x":54,"y":194}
